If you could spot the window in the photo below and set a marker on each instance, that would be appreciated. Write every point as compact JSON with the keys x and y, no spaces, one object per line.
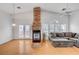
{"x":63,"y":28}
{"x":57,"y":27}
{"x":51,"y":28}
{"x":45,"y":29}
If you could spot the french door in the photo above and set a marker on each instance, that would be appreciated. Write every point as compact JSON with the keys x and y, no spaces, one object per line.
{"x":24,"y":31}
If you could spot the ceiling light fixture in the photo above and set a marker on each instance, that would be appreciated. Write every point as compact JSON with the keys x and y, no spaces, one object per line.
{"x":13,"y":24}
{"x":66,"y":10}
{"x":63,"y":9}
{"x":13,"y":15}
{"x":18,"y":7}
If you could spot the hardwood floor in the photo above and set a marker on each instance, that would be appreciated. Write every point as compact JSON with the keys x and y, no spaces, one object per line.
{"x":25,"y":47}
{"x":11,"y":47}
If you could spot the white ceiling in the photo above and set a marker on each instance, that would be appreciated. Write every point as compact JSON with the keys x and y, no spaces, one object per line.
{"x":25,"y":7}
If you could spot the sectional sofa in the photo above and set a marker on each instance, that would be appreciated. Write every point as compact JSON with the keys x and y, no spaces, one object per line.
{"x":64,"y":39}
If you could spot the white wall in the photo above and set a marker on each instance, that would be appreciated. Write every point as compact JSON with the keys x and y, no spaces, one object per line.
{"x":5,"y":27}
{"x":22,"y":19}
{"x":74,"y":22}
{"x":47,"y":17}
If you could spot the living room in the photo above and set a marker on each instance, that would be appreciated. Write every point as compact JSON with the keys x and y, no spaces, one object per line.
{"x":39,"y":28}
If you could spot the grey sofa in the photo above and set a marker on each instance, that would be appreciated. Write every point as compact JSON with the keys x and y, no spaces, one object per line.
{"x":62,"y":39}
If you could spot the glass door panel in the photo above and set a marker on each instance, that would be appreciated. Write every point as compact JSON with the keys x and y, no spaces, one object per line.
{"x":27,"y":31}
{"x":21,"y":31}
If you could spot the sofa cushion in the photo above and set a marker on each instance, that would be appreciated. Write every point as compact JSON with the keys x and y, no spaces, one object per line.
{"x":67,"y":34}
{"x":59,"y":34}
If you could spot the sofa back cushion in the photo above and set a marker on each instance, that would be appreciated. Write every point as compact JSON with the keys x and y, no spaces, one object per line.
{"x":59,"y":34}
{"x":67,"y":34}
{"x":63,"y":34}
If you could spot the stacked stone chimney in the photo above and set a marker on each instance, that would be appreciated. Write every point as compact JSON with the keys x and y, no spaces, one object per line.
{"x":36,"y":21}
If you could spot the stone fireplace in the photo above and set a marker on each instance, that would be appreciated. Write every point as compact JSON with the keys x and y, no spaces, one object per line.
{"x":36,"y":27}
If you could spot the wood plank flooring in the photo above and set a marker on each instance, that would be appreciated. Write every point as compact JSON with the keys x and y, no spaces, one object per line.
{"x":25,"y":47}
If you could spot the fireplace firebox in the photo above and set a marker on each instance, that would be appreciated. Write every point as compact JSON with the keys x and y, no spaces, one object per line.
{"x":36,"y":35}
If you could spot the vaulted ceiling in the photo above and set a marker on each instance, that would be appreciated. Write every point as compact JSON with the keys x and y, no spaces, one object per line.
{"x":25,"y":7}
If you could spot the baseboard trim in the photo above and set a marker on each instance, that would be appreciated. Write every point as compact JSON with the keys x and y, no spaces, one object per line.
{"x":23,"y":39}
{"x":6,"y":42}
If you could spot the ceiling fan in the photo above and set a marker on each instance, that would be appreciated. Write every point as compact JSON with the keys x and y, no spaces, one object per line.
{"x":67,"y":10}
